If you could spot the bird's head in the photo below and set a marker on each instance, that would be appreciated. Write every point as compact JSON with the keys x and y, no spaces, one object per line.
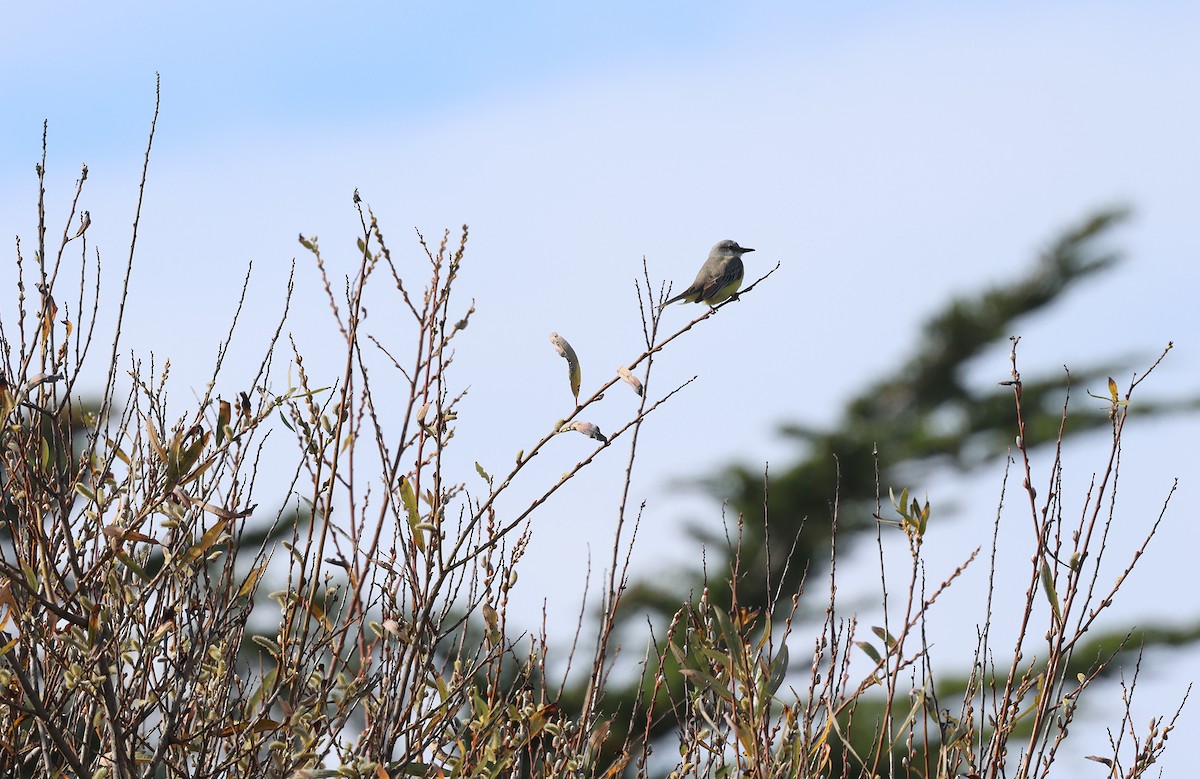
{"x":728,"y":248}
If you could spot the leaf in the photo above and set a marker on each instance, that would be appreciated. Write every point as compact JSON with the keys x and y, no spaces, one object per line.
{"x":884,"y":636}
{"x":778,"y":669}
{"x":409,"y":499}
{"x":224,"y":415}
{"x":132,"y":565}
{"x":317,"y":612}
{"x":491,"y":619}
{"x":490,"y":616}
{"x":587,"y":428}
{"x":633,"y":381}
{"x":189,"y":456}
{"x":718,"y":659}
{"x":1112,"y":389}
{"x":869,"y":650}
{"x":8,"y":401}
{"x":268,"y":682}
{"x":917,"y":705}
{"x":1051,"y":593}
{"x":49,"y":311}
{"x":201,"y":547}
{"x":155,"y":443}
{"x":121,"y":534}
{"x":220,"y":512}
{"x":574,"y":374}
{"x":705,"y":681}
{"x":728,"y":635}
{"x":261,"y":726}
{"x":119,"y":452}
{"x":251,"y":580}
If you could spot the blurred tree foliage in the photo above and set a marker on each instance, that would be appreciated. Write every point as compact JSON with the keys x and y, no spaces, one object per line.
{"x":922,"y":417}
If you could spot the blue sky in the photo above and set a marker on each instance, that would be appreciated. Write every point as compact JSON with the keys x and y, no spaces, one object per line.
{"x":877,"y":151}
{"x":268,"y":61}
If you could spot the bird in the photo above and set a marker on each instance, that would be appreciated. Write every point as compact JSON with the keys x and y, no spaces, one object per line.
{"x":719,"y":276}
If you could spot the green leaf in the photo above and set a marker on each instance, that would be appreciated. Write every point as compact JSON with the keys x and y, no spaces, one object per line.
{"x":201,"y":547}
{"x":884,"y":636}
{"x":251,"y":580}
{"x":255,"y":699}
{"x":730,"y":636}
{"x":124,"y":557}
{"x":706,"y":682}
{"x":922,"y":518}
{"x":189,"y":456}
{"x":409,"y":499}
{"x":1051,"y":593}
{"x":778,"y":670}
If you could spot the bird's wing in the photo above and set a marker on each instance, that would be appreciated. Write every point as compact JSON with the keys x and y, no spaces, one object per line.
{"x":696,"y":287}
{"x":731,"y":272}
{"x":714,"y":276}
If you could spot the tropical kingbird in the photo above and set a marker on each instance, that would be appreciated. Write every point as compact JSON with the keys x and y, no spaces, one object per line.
{"x":719,"y":276}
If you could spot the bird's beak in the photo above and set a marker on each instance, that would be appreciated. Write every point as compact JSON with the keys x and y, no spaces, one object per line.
{"x":745,"y":250}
